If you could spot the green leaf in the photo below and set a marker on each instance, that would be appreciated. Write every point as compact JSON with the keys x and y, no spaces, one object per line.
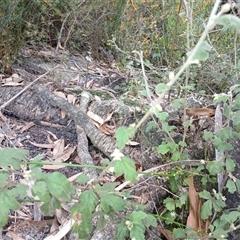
{"x":232,"y":217}
{"x":144,"y":93}
{"x":218,"y":205}
{"x":111,"y":202}
{"x":230,"y":165}
{"x":183,"y":198}
{"x":207,"y":136}
{"x":169,"y":203}
{"x":137,"y":216}
{"x":150,"y":221}
{"x":206,"y":210}
{"x":8,"y":157}
{"x":126,"y":194}
{"x":7,"y":200}
{"x":19,"y":191}
{"x":122,"y":231}
{"x":88,"y":202}
{"x":205,"y":195}
{"x":161,"y":87}
{"x":179,"y":233}
{"x":226,"y":110}
{"x":4,"y":215}
{"x":238,"y":185}
{"x":225,"y":133}
{"x":166,"y":127}
{"x":85,"y":227}
{"x":163,"y":148}
{"x":38,"y":158}
{"x":4,"y":178}
{"x":202,"y":52}
{"x":215,"y":167}
{"x":151,"y":125}
{"x":82,"y":179}
{"x":176,"y":156}
{"x":123,"y":135}
{"x":177,"y":103}
{"x":228,"y":21}
{"x":231,"y":186}
{"x":182,"y":144}
{"x":40,"y":189}
{"x":162,"y":116}
{"x":173,"y":180}
{"x":137,"y":232}
{"x":222,"y":97}
{"x":59,"y":186}
{"x":49,"y":208}
{"x":187,"y":123}
{"x":127,"y":167}
{"x":101,"y":222}
{"x":36,"y":173}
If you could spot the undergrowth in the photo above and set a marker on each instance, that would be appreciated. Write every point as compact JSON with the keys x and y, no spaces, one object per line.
{"x":208,"y":218}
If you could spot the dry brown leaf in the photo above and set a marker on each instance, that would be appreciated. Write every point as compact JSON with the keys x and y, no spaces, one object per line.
{"x":10,"y":84}
{"x":89,"y":84}
{"x":109,"y":117}
{"x":97,"y":98}
{"x":200,"y":112}
{"x":71,"y":99}
{"x":107,"y":129}
{"x":63,"y":114}
{"x":49,"y":138}
{"x":27,"y":126}
{"x":42,"y":145}
{"x":22,"y":214}
{"x":52,"y":167}
{"x":132,"y":143}
{"x":55,"y":226}
{"x":58,"y":147}
{"x":74,"y":80}
{"x":62,"y":232}
{"x":59,"y":215}
{"x":166,"y":233}
{"x":64,"y":156}
{"x":95,"y":117}
{"x":194,"y":219}
{"x":60,"y":154}
{"x":74,"y":177}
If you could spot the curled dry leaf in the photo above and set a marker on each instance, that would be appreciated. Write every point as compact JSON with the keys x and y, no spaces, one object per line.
{"x":71,"y":99}
{"x":42,"y":145}
{"x":95,"y":118}
{"x":27,"y":126}
{"x":194,"y":219}
{"x":60,"y":153}
{"x":166,"y":233}
{"x":132,"y":143}
{"x":200,"y":112}
{"x":107,"y":129}
{"x":64,"y":156}
{"x":58,"y":147}
{"x":65,"y":228}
